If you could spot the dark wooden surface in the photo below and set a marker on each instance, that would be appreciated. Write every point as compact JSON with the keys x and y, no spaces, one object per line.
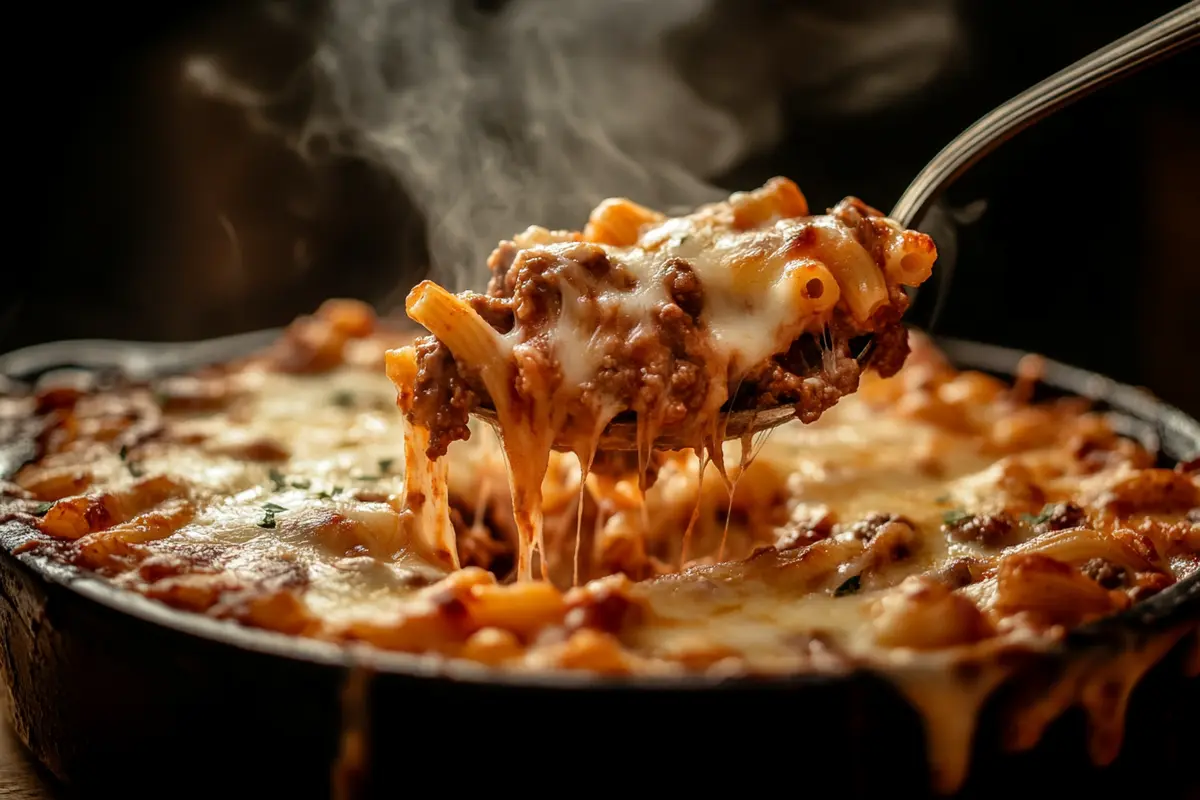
{"x":20,"y":779}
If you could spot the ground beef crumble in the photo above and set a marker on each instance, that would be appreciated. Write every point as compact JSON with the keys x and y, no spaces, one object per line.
{"x":659,"y":369}
{"x":990,"y":530}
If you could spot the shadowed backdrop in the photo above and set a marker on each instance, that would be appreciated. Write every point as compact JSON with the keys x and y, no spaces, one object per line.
{"x":218,"y":167}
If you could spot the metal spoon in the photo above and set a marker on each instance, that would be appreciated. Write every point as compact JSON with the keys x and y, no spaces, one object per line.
{"x":1171,"y":33}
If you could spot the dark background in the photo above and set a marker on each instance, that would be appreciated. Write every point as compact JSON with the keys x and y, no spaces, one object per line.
{"x":1089,"y":250}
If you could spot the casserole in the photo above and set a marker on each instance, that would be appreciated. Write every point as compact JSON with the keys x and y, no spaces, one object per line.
{"x":110,"y":689}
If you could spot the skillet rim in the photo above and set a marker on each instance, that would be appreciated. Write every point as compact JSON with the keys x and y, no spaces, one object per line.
{"x":1138,"y":411}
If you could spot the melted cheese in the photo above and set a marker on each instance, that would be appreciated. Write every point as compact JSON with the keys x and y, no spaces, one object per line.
{"x":342,"y":525}
{"x":764,"y":273}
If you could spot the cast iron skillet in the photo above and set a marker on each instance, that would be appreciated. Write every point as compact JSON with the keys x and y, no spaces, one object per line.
{"x":115,"y":693}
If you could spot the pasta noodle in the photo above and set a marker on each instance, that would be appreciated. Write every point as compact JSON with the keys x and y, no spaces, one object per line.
{"x":669,"y":319}
{"x":928,"y":527}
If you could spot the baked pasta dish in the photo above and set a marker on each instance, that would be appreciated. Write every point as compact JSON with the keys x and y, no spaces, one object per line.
{"x":932,"y":524}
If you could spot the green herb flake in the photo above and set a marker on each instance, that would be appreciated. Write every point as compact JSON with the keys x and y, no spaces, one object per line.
{"x":124,"y":452}
{"x":135,"y":470}
{"x":385,"y":465}
{"x":942,"y":499}
{"x":42,"y":508}
{"x":269,"y":512}
{"x":849,"y":586}
{"x":301,"y":483}
{"x":343,"y":399}
{"x":278,"y":479}
{"x":1037,"y":519}
{"x":955,"y":516}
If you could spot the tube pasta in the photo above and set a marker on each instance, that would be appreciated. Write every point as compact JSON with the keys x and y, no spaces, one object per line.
{"x":467,"y":335}
{"x":780,"y":198}
{"x":909,"y":257}
{"x":527,"y":430}
{"x":814,"y":289}
{"x":862,"y":282}
{"x":619,"y":222}
{"x":1077,"y":545}
{"x":1052,"y":591}
{"x":806,"y":565}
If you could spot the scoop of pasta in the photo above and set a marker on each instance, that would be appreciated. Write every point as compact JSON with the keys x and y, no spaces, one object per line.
{"x":646,"y":332}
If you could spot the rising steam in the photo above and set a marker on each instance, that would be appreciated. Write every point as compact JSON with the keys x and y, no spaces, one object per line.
{"x":533,"y":110}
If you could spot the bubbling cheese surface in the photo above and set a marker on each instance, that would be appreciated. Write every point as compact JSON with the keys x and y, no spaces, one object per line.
{"x":340,"y":524}
{"x":932,"y":519}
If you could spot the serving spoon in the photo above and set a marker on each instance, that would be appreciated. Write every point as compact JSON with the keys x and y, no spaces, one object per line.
{"x":1171,"y":33}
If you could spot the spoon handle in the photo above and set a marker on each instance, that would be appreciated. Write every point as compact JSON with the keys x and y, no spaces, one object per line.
{"x":1165,"y":36}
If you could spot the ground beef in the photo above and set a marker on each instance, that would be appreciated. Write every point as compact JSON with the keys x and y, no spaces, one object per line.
{"x":868,"y":225}
{"x":990,"y":530}
{"x":957,"y":573}
{"x":806,"y":527}
{"x":890,"y":349}
{"x":442,"y":397}
{"x":499,"y":263}
{"x":811,"y":380}
{"x":1060,"y":517}
{"x":873,"y":524}
{"x":1106,"y":573}
{"x":658,"y":369}
{"x":495,"y":311}
{"x":684,"y":287}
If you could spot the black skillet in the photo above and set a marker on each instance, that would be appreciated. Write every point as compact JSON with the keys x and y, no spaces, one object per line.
{"x":120,"y":695}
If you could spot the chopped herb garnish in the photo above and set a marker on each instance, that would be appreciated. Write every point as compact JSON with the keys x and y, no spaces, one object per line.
{"x":849,"y":586}
{"x":330,"y":494}
{"x":269,"y":512}
{"x":278,"y":479}
{"x":955,"y":516}
{"x":385,"y":465}
{"x":42,"y":508}
{"x":343,"y":399}
{"x":942,"y":499}
{"x":133,"y":468}
{"x":337,"y":490}
{"x":1043,"y":516}
{"x":302,"y":483}
{"x":368,"y":477}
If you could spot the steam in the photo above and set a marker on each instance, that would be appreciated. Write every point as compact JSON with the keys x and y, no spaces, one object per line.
{"x":532,"y":112}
